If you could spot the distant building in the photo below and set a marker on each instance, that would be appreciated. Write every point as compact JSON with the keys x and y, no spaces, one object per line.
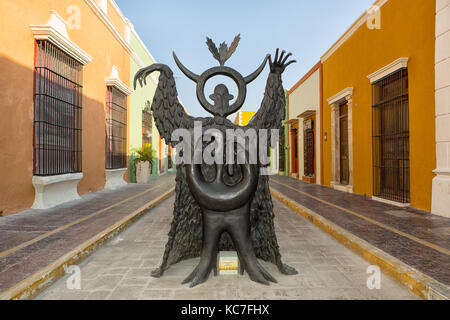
{"x":304,"y":127}
{"x":243,"y":117}
{"x":142,"y":124}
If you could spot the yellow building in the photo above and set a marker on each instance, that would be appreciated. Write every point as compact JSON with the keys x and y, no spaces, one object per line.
{"x":243,"y":117}
{"x":379,"y":105}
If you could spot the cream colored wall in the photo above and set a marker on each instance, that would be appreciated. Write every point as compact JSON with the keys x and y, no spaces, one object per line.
{"x":306,"y":97}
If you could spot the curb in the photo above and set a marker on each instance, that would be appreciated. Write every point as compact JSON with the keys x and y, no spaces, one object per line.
{"x":414,"y":280}
{"x":37,"y":282}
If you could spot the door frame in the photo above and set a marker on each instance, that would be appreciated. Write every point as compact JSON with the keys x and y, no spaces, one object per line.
{"x":334,"y":102}
{"x":306,"y":116}
{"x":293,"y":139}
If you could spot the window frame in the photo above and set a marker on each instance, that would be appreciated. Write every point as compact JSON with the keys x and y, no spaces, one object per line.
{"x":57,"y":111}
{"x":116,"y":159}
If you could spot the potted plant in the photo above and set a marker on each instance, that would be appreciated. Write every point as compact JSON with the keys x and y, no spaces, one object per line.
{"x":143,"y":163}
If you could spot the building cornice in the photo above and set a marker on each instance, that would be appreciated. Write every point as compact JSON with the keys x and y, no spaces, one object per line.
{"x":107,"y":22}
{"x":398,"y":64}
{"x":350,"y":31}
{"x":305,"y":77}
{"x":139,"y":60}
{"x":110,"y":26}
{"x":340,"y":96}
{"x":119,"y":12}
{"x":114,"y":80}
{"x":55,"y":31}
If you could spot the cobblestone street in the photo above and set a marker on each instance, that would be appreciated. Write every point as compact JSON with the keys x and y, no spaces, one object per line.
{"x":327,"y":269}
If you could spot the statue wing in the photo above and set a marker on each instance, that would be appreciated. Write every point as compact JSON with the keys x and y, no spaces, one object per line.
{"x":168,"y":112}
{"x":272,"y":110}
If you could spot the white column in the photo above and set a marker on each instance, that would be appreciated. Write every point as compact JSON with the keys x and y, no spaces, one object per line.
{"x":334,"y":143}
{"x":350,"y":140}
{"x":441,"y":183}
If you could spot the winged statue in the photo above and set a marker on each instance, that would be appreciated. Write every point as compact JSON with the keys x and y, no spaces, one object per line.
{"x":220,"y":207}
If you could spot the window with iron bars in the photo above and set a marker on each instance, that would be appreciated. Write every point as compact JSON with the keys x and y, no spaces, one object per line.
{"x":57,"y":112}
{"x":390,"y":116}
{"x":282,"y":149}
{"x":116,"y":129}
{"x":169,"y":158}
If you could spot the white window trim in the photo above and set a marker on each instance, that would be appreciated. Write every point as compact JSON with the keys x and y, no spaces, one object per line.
{"x":55,"y":31}
{"x":114,"y":81}
{"x":340,"y":96}
{"x":392,"y":67}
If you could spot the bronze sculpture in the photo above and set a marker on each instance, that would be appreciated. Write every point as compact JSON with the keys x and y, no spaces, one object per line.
{"x":221,"y":206}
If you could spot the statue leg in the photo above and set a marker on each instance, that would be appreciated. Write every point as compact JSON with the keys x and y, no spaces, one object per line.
{"x":212,"y":229}
{"x":238,"y":225}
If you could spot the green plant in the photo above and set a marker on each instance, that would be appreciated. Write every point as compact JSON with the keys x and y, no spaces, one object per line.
{"x":144,"y":153}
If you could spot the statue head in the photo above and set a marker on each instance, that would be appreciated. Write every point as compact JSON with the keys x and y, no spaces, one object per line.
{"x":221,"y":95}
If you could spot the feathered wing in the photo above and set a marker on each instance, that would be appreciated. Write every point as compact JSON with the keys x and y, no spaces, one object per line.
{"x":272,"y":110}
{"x":185,"y":235}
{"x":168,"y":112}
{"x":269,"y":116}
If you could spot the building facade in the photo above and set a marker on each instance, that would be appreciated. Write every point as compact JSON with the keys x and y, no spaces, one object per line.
{"x":441,"y":183}
{"x":379,"y":105}
{"x":142,"y":125}
{"x":66,"y":103}
{"x":304,"y":127}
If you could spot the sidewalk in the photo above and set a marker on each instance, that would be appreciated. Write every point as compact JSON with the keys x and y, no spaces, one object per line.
{"x":36,"y":245}
{"x":327,"y":269}
{"x":408,"y":244}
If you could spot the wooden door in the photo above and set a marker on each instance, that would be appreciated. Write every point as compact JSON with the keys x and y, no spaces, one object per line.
{"x":294,"y":148}
{"x":308,"y":147}
{"x":343,"y":144}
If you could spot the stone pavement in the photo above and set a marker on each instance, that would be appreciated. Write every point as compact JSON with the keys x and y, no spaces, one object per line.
{"x":35,"y":243}
{"x":327,"y":269}
{"x":419,"y":240}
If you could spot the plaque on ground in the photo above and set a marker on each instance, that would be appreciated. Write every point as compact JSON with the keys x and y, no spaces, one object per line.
{"x":228,"y":263}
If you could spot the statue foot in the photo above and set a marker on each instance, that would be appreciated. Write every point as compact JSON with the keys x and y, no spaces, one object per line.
{"x":200,"y":273}
{"x":286,"y":270}
{"x":257,"y":273}
{"x":157,"y":273}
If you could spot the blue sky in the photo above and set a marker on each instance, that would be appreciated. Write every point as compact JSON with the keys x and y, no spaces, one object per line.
{"x":307,"y":28}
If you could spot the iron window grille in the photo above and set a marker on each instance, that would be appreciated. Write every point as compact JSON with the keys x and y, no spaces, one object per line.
{"x":57,"y":112}
{"x":282,"y":149}
{"x":390,"y":117}
{"x":116,"y":129}
{"x":169,"y":158}
{"x":308,"y":148}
